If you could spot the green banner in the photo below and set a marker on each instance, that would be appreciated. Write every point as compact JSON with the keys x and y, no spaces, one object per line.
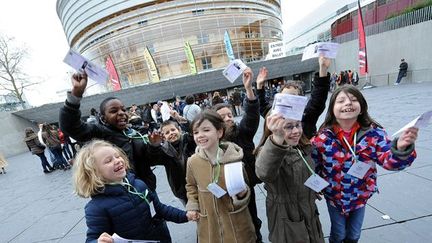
{"x":154,"y":75}
{"x":190,"y":58}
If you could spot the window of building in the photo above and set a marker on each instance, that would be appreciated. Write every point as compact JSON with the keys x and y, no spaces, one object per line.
{"x":206,"y":63}
{"x":151,"y":48}
{"x":381,"y":2}
{"x":142,"y":23}
{"x":198,"y":12}
{"x":203,"y":38}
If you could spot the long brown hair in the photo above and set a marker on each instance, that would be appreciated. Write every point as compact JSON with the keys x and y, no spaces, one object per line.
{"x":363,"y":118}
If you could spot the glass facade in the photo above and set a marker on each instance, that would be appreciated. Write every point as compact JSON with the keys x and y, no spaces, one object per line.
{"x":164,"y":26}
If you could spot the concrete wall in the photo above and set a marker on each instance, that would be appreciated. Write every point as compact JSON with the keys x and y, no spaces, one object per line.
{"x":385,"y":51}
{"x":12,"y":134}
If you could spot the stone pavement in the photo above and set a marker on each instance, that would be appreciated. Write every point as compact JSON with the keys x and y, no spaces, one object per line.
{"x":35,"y":207}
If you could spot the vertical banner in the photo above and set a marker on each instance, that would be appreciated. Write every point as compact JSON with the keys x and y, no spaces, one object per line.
{"x":154,"y":75}
{"x":228,"y":46}
{"x":112,"y":74}
{"x":362,"y":43}
{"x":190,"y":58}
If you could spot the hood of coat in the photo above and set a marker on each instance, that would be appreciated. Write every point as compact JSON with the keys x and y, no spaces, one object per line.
{"x":231,"y":153}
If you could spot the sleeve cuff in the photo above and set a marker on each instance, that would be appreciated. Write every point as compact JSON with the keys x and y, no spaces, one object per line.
{"x":72,"y":99}
{"x":254,"y":101}
{"x":192,"y":206}
{"x":240,"y":202}
{"x":405,"y":153}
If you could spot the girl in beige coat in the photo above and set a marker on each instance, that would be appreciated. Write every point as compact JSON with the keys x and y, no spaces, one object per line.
{"x":222,"y":218}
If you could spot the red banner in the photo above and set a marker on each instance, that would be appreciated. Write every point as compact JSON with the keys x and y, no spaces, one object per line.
{"x":362,"y":43}
{"x":112,"y":72}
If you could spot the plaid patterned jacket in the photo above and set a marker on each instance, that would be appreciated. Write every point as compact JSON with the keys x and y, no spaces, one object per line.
{"x":333,"y":161}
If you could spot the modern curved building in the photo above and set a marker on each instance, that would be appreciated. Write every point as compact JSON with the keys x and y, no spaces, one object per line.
{"x":124,"y":29}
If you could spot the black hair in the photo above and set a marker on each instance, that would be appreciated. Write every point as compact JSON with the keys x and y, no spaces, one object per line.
{"x":190,"y":99}
{"x":103,"y":104}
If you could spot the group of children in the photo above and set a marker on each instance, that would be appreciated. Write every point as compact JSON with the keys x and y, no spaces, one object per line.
{"x":114,"y":168}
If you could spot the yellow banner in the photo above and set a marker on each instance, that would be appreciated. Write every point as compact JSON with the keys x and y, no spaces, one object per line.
{"x":190,"y":58}
{"x":154,"y":75}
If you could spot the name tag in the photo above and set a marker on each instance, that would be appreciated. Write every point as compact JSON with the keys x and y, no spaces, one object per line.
{"x":216,"y":190}
{"x":316,"y":183}
{"x":359,"y":169}
{"x":152,"y":209}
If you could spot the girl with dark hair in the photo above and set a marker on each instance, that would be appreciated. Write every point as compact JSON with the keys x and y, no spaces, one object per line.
{"x":222,"y":218}
{"x":346,"y":151}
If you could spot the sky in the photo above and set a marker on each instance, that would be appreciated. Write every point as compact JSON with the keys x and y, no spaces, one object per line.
{"x":37,"y":28}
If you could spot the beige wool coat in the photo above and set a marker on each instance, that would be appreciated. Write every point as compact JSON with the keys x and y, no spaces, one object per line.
{"x":225,"y":219}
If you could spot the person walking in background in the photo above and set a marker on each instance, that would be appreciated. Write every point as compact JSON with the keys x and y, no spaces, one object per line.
{"x":216,"y":99}
{"x":32,"y":141}
{"x":50,"y":137}
{"x":3,"y":164}
{"x":94,"y":116}
{"x":403,"y":68}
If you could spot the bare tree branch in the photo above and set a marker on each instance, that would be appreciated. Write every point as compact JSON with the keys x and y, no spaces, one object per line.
{"x":11,"y":77}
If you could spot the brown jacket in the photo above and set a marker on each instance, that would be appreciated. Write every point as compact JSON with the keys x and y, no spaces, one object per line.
{"x":33,"y":144}
{"x":291,"y":209}
{"x":225,"y":219}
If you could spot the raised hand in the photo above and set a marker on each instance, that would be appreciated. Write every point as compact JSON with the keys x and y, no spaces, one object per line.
{"x":155,"y":138}
{"x":247,"y":78}
{"x":408,"y":137}
{"x":79,"y":84}
{"x":324,"y":64}
{"x":275,"y":124}
{"x":262,"y":77}
{"x":247,"y":83}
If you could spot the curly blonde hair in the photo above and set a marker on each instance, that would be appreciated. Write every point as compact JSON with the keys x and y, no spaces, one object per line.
{"x":86,"y":178}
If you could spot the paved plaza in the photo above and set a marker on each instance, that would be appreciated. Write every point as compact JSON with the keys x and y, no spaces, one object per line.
{"x":38,"y":207}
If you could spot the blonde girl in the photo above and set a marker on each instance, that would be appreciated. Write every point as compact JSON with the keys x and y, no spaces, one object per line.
{"x":120,"y":203}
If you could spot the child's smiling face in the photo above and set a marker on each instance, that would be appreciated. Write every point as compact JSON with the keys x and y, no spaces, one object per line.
{"x":346,"y":107}
{"x":110,"y":164}
{"x":170,"y":133}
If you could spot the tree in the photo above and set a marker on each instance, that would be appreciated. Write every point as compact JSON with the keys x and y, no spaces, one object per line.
{"x":12,"y":79}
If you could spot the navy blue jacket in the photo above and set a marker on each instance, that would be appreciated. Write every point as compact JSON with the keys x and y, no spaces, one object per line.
{"x":116,"y":210}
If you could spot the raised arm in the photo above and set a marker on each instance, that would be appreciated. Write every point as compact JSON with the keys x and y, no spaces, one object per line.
{"x":249,"y":123}
{"x":271,"y":156}
{"x":317,"y":102}
{"x":70,"y":114}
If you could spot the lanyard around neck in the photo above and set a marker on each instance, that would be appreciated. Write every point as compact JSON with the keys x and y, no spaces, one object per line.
{"x":131,"y":189}
{"x":353,"y":148}
{"x":217,"y":170}
{"x":305,"y":162}
{"x":143,"y":137}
